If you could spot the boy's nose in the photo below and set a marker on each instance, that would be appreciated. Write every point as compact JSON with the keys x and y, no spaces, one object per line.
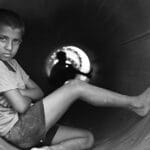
{"x":9,"y":45}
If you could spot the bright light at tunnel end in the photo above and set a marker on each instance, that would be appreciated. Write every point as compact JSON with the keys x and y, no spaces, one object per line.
{"x":75,"y":56}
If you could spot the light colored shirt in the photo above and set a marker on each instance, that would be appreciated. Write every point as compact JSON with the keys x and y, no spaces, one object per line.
{"x":10,"y":80}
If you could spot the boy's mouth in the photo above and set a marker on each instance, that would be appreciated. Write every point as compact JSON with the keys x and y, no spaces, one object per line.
{"x":7,"y":55}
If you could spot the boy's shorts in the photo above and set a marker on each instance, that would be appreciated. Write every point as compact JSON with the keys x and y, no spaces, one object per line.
{"x":30,"y":129}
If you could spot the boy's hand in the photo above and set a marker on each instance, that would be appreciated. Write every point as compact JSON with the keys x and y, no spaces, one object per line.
{"x":22,"y":92}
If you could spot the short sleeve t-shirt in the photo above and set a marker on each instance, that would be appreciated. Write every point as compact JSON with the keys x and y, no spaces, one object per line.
{"x":9,"y":80}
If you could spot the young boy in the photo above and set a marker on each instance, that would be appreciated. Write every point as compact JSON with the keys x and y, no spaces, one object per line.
{"x":26,"y":118}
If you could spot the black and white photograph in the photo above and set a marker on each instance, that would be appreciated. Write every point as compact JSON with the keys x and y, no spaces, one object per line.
{"x":74,"y":75}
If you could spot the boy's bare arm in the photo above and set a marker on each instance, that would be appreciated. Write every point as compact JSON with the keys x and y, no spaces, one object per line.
{"x":32,"y":90}
{"x":17,"y":101}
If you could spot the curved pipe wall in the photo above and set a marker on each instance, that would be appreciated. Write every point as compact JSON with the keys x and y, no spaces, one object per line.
{"x":116,"y":34}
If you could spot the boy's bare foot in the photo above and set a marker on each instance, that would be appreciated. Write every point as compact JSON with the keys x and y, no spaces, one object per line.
{"x":141,"y":104}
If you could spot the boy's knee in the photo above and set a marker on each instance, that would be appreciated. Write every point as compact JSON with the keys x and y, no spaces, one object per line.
{"x":90,"y":140}
{"x":76,"y":84}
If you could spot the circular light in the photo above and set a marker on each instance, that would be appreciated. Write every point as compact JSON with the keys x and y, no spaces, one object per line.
{"x":74,"y":56}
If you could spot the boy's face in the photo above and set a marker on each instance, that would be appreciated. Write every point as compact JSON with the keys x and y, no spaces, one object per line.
{"x":10,"y":39}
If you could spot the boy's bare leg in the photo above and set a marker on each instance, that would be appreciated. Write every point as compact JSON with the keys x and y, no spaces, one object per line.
{"x":68,"y":138}
{"x":58,"y":102}
{"x":140,"y":104}
{"x":55,"y":105}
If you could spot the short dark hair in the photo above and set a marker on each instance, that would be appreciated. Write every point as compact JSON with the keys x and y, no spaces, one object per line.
{"x":12,"y":19}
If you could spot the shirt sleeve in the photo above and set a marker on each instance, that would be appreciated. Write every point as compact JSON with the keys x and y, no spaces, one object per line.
{"x":24,"y":75}
{"x":7,"y":82}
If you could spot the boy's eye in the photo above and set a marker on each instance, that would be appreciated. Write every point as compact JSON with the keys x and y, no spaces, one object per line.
{"x":3,"y":39}
{"x":17,"y":41}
